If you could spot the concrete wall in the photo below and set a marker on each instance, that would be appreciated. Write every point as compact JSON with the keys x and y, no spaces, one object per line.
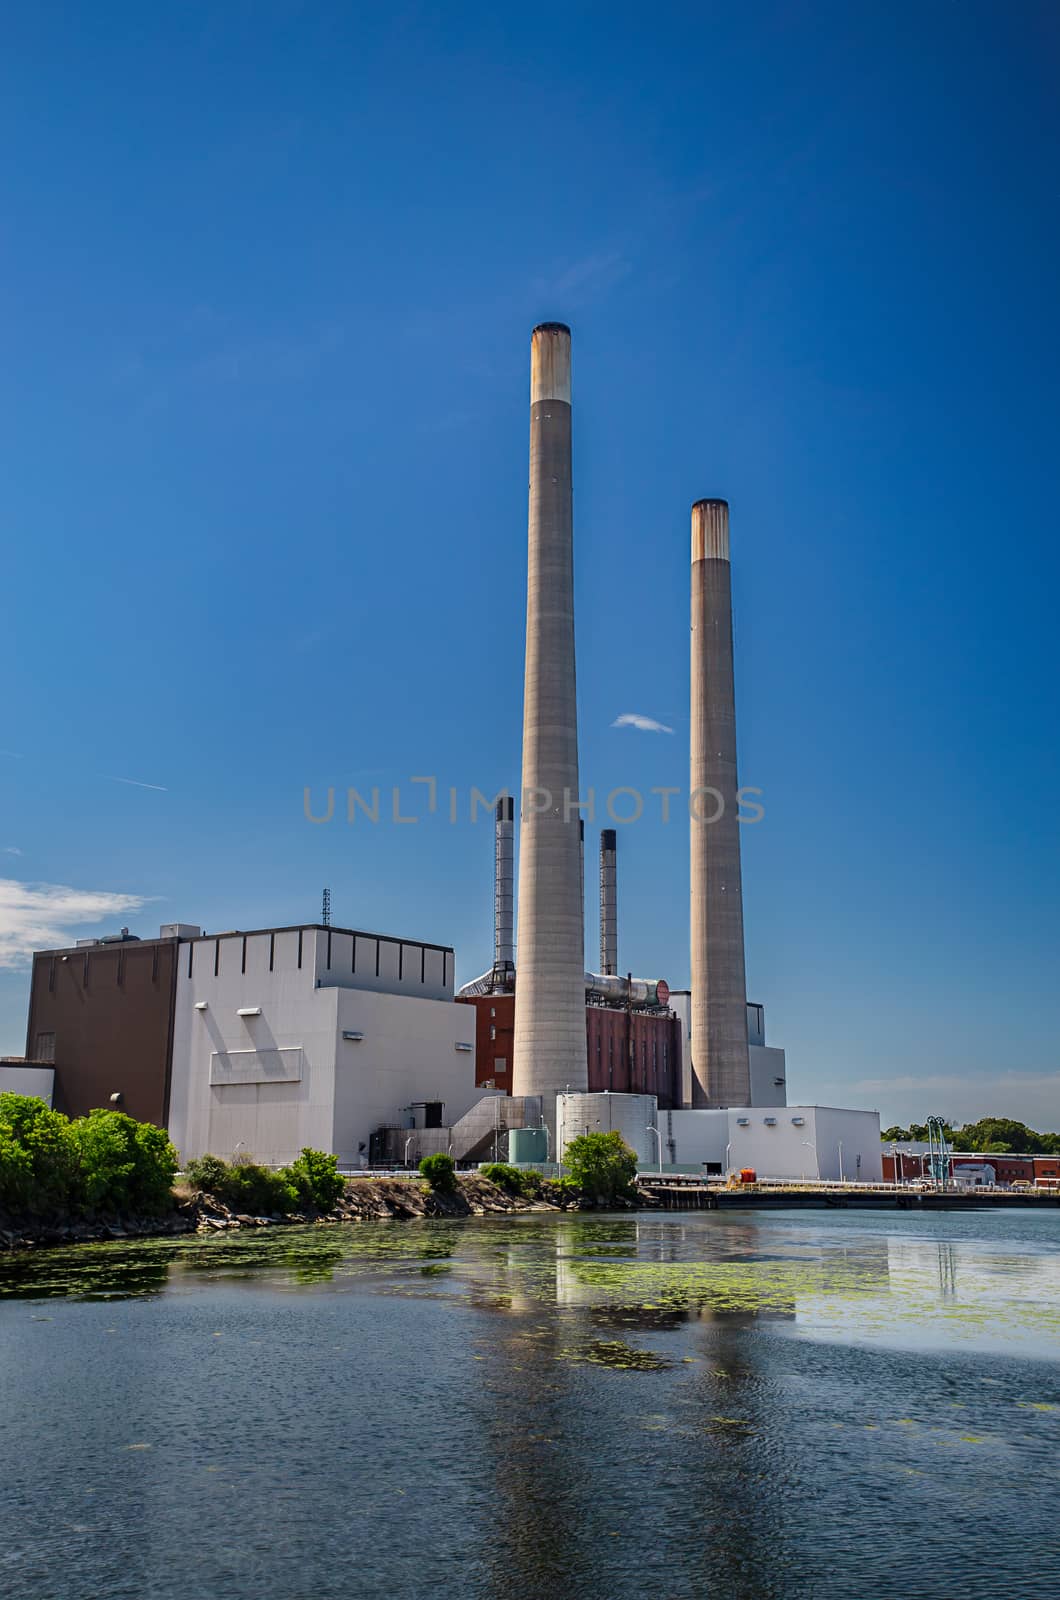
{"x":408,"y":1053}
{"x":36,"y":1081}
{"x":767,"y":1067}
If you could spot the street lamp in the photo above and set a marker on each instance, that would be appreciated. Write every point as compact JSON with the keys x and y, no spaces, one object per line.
{"x":408,"y":1141}
{"x":808,"y":1145}
{"x":841,"y":1177}
{"x":651,"y":1128}
{"x":728,"y":1147}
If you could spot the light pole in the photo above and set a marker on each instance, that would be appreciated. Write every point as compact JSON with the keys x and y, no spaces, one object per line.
{"x":408,"y":1141}
{"x":806,"y":1145}
{"x":651,"y":1128}
{"x":841,"y":1177}
{"x":728,"y":1148}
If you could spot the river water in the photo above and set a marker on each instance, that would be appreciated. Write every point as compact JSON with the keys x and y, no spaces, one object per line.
{"x":733,"y":1406}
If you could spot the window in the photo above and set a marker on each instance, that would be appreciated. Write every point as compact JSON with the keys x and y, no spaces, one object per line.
{"x":45,"y":1047}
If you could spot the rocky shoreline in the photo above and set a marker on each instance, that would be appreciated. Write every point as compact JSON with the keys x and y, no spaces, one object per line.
{"x":364,"y":1200}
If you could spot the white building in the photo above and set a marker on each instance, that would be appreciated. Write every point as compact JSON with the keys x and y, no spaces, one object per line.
{"x":314,"y":1036}
{"x":813,"y":1142}
{"x":768,"y":1066}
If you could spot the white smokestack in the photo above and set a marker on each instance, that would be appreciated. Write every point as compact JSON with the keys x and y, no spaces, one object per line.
{"x":549,"y":1047}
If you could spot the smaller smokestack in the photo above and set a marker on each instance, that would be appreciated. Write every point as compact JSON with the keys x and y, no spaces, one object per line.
{"x":581,"y":862}
{"x":504,"y":886}
{"x":608,"y":902}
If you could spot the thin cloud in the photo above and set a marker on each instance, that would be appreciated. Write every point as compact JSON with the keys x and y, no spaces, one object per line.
{"x":633,"y":719}
{"x":38,"y":916}
{"x":588,"y":278}
{"x":137,"y":784}
{"x":12,"y":850}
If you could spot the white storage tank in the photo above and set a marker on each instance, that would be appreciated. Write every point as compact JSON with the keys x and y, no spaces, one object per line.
{"x":634,"y":1116}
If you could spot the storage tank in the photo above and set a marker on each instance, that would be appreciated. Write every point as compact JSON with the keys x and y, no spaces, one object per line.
{"x":634,"y":1116}
{"x":527,"y":1146}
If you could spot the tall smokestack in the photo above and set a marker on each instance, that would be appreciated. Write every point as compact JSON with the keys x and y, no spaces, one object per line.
{"x":721,"y":1074}
{"x":549,"y":1046}
{"x":608,"y":902}
{"x":504,"y":886}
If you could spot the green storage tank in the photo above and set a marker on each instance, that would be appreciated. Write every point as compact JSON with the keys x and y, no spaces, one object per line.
{"x":528,"y":1146}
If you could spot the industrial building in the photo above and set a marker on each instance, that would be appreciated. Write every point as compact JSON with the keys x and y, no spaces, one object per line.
{"x":354,"y":1042}
{"x":262,"y":1041}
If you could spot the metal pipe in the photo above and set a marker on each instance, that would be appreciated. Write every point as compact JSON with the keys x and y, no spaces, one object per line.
{"x":608,"y":901}
{"x":721,"y":1072}
{"x":549,"y":1047}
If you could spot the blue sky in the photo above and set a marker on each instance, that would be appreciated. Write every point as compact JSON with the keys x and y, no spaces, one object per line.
{"x":269,"y":277}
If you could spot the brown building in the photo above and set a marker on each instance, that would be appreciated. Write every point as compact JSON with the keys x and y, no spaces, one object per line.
{"x":628,"y":1051}
{"x":102,"y":1014}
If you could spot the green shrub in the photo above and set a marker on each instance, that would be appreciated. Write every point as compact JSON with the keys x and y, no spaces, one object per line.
{"x":244,"y":1185}
{"x":126,"y":1165}
{"x":602,"y":1165}
{"x":503,"y":1175}
{"x":440,"y":1172}
{"x":38,"y":1161}
{"x":208,"y":1173}
{"x":524,"y":1181}
{"x":316,"y":1178}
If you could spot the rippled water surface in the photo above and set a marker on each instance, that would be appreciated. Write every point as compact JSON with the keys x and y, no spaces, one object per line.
{"x":711,"y":1406}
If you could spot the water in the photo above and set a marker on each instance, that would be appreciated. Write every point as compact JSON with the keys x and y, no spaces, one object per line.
{"x":711,"y":1406}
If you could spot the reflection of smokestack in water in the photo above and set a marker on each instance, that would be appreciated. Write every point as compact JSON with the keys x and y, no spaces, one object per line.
{"x":504,"y":886}
{"x":721,"y":1073}
{"x":549,"y":1047}
{"x":608,"y":902}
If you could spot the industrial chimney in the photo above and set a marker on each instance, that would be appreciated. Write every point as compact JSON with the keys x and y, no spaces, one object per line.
{"x":504,"y":887}
{"x":608,"y":902}
{"x":721,"y":1074}
{"x":549,"y":1046}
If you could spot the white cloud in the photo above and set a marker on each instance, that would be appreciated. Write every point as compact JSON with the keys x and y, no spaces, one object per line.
{"x":12,"y":850}
{"x":37,"y":916}
{"x":633,"y":719}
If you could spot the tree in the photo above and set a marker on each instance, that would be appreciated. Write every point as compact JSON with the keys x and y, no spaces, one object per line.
{"x":895,"y":1134}
{"x":38,"y":1160}
{"x":1001,"y":1135}
{"x":602,"y":1165}
{"x":125,"y":1165}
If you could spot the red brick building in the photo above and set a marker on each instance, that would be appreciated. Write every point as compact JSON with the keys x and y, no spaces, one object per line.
{"x":628,"y":1051}
{"x":1043,"y":1171}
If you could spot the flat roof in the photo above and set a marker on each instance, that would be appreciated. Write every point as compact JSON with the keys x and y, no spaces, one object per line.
{"x":109,"y":943}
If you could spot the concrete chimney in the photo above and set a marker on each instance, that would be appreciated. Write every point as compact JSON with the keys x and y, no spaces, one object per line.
{"x":721,"y":1074}
{"x":549,"y":1046}
{"x":608,"y":902}
{"x":504,"y":886}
